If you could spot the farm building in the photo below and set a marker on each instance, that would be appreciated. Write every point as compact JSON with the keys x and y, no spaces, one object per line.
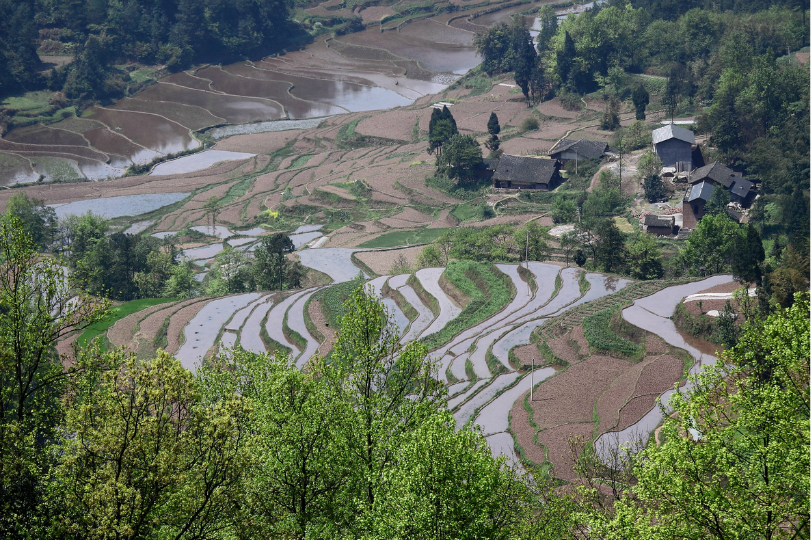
{"x":693,"y":203}
{"x":674,"y":146}
{"x":525,"y":172}
{"x":657,"y":224}
{"x":715,"y":173}
{"x":580,"y":149}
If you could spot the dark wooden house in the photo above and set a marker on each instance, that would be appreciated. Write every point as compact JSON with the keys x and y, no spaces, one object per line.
{"x":579,"y":149}
{"x":657,"y":224}
{"x":719,"y":175}
{"x":526,"y":173}
{"x":674,"y":146}
{"x":693,"y":203}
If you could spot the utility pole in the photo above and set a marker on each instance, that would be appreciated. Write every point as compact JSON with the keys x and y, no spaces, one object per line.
{"x":532,"y":379}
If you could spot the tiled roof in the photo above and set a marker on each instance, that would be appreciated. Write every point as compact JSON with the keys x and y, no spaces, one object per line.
{"x":673,"y":132}
{"x":741,"y":187}
{"x":702,"y":190}
{"x":658,"y":220}
{"x":525,"y":169}
{"x":584,"y":147}
{"x":715,"y":171}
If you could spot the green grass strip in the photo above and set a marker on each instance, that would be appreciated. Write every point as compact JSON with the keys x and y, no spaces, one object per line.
{"x":404,"y":238}
{"x":488,"y":289}
{"x":597,"y":328}
{"x":91,"y":332}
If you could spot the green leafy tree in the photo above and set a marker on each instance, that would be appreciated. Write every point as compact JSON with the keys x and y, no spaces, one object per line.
{"x":563,"y":209}
{"x":38,"y":220}
{"x":391,"y":390}
{"x":718,"y":202}
{"x":531,"y":238}
{"x":443,"y":128}
{"x":271,"y":260}
{"x":649,"y":164}
{"x":445,"y":484}
{"x":710,"y":247}
{"x":460,"y":157}
{"x":609,"y":251}
{"x":494,"y":46}
{"x":525,"y":57}
{"x":299,"y":465}
{"x":611,"y":117}
{"x":644,"y":258}
{"x":143,"y":455}
{"x":640,"y":99}
{"x":748,"y":256}
{"x":734,"y":459}
{"x":39,"y":306}
{"x":548,"y":24}
{"x":654,"y":188}
{"x":493,"y":128}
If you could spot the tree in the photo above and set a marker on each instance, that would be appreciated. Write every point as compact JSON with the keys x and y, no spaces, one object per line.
{"x":531,"y":239}
{"x":445,"y":484}
{"x":525,"y":57}
{"x":563,"y":209}
{"x":709,"y":248}
{"x":654,"y":188}
{"x":611,"y":117}
{"x":718,"y":202}
{"x":391,"y":390}
{"x":494,"y":45}
{"x":734,"y":459}
{"x":39,"y":305}
{"x":566,"y":60}
{"x":271,"y":260}
{"x":548,"y":23}
{"x":649,"y":164}
{"x":297,"y":452}
{"x":440,"y":129}
{"x":748,"y":256}
{"x":644,"y":258}
{"x":640,"y":98}
{"x":493,"y":128}
{"x":38,"y":220}
{"x":461,"y":156}
{"x":143,"y":455}
{"x":609,"y":251}
{"x":568,"y":242}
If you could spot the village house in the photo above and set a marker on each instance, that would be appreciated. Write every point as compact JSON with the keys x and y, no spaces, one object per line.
{"x":718,"y":174}
{"x":674,"y":146}
{"x":580,"y":149}
{"x":658,"y":224}
{"x":526,"y":173}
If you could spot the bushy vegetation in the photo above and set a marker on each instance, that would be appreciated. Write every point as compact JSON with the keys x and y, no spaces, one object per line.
{"x":600,"y":335}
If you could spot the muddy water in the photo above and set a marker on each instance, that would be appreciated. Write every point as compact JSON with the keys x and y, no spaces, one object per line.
{"x":198,"y":162}
{"x":250,"y":337}
{"x":495,"y":416}
{"x":202,"y":330}
{"x":334,"y":262}
{"x":424,"y":316}
{"x":429,"y":278}
{"x":122,"y":205}
{"x":295,"y":320}
{"x":466,"y":410}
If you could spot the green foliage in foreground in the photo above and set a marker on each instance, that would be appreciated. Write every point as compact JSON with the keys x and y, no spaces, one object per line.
{"x":597,"y":328}
{"x":489,"y":291}
{"x":735,"y":458}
